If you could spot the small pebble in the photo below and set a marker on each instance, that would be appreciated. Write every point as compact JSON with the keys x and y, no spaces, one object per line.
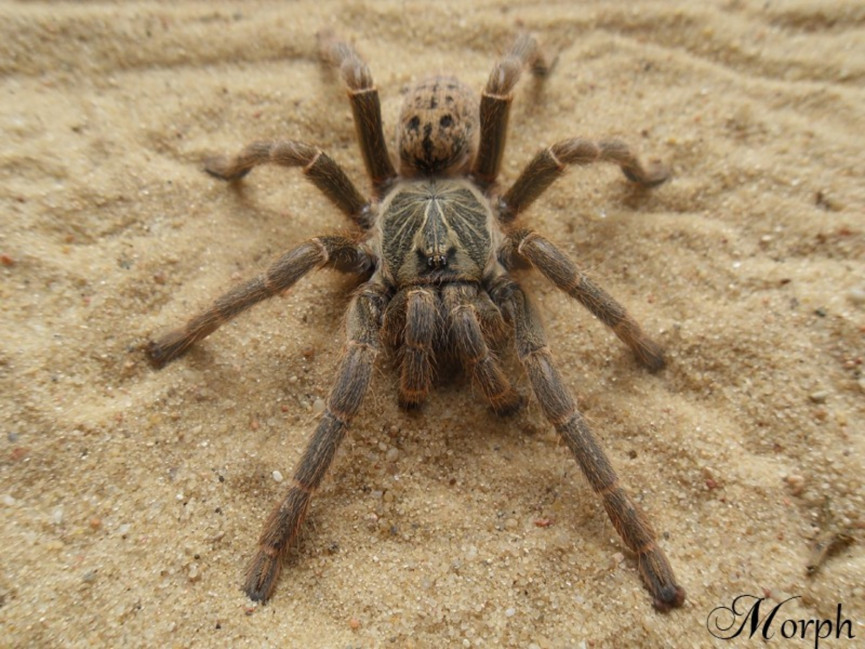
{"x":819,"y":396}
{"x":277,"y":476}
{"x":511,"y":612}
{"x":796,"y":483}
{"x":856,"y":295}
{"x":318,"y":406}
{"x":194,"y":573}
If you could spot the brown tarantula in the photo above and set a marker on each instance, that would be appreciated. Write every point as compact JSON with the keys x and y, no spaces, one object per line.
{"x":433,"y":258}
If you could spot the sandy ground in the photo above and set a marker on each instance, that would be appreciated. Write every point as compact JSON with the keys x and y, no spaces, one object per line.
{"x":130,"y":499}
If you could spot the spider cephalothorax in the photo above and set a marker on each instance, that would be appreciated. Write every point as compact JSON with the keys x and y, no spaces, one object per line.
{"x":435,"y":231}
{"x":433,"y":259}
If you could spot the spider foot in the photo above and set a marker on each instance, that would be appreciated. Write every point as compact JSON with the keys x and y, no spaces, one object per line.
{"x":670,"y":597}
{"x":652,"y":175}
{"x":262,"y":575}
{"x":508,"y":403}
{"x":222,"y":167}
{"x":166,"y":349}
{"x":412,"y":400}
{"x":650,"y":356}
{"x":659,"y":579}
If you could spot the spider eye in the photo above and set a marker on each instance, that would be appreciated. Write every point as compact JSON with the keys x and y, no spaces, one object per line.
{"x":414,"y":123}
{"x":446,"y":120}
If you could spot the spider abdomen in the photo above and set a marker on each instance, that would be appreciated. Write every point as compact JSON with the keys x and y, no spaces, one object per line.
{"x":435,"y":231}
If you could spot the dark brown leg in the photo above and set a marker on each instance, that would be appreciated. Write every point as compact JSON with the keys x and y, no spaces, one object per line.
{"x":496,"y":105}
{"x":417,"y":354}
{"x":365,"y":107}
{"x":527,"y":246}
{"x":559,"y":408}
{"x":466,"y":334}
{"x":346,"y":396}
{"x":338,"y":252}
{"x":550,"y":163}
{"x":321,"y":170}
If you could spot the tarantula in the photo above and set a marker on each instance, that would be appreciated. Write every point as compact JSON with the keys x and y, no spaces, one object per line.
{"x":433,"y":257}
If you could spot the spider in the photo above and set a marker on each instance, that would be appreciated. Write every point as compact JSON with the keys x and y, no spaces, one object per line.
{"x":433,"y":257}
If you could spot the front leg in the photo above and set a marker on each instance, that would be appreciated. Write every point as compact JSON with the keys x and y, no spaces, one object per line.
{"x":346,"y":396}
{"x":496,"y":104}
{"x":365,"y":107}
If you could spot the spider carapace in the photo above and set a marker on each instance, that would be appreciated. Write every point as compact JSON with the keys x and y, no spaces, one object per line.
{"x":435,"y":231}
{"x":433,"y":258}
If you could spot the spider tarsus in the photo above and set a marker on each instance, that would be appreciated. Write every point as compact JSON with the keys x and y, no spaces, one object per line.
{"x":261,"y":577}
{"x":669,"y":598}
{"x":163,"y":351}
{"x":218,"y":167}
{"x":655,"y":173}
{"x":512,"y":405}
{"x":410,"y":406}
{"x":659,"y":579}
{"x":652,"y":359}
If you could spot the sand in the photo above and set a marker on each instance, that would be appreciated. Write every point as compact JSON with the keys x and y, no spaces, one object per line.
{"x":131,"y":499}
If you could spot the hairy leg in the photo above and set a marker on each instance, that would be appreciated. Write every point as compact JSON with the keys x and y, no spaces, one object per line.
{"x":346,"y":396}
{"x":416,"y":352}
{"x":496,"y":104}
{"x":321,"y":170}
{"x":365,"y":106}
{"x":461,"y":302}
{"x":551,"y":163}
{"x":336,"y":251}
{"x":560,"y":409}
{"x":525,"y":246}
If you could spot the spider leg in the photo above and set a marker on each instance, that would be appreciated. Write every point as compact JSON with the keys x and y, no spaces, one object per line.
{"x":526,"y":246}
{"x":335,"y":251}
{"x":320,"y":168}
{"x":550,"y":163}
{"x":561,"y":410}
{"x":496,"y":104}
{"x":460,"y":301}
{"x":416,"y":352}
{"x":365,"y":106}
{"x":343,"y":402}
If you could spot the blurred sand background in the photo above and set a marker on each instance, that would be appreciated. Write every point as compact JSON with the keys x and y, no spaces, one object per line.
{"x":130,"y":500}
